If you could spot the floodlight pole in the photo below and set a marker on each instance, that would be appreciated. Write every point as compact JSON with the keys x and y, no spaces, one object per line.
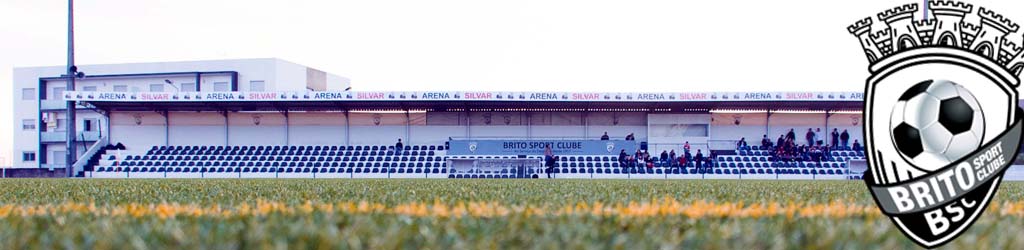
{"x":72,"y":155}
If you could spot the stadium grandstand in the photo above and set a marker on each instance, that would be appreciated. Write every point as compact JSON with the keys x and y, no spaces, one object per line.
{"x":269,"y":118}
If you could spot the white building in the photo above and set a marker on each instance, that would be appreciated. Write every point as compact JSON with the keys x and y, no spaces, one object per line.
{"x":39,"y":107}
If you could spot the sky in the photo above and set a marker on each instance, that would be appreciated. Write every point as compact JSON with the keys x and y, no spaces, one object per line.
{"x":523,"y":45}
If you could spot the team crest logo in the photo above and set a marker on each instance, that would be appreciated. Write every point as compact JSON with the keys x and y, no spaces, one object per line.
{"x":941,"y":119}
{"x":609,"y":146}
{"x":472,"y":147}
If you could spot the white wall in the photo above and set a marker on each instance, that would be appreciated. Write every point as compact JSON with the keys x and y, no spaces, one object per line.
{"x":435,"y":135}
{"x":138,"y":131}
{"x":376,"y":135}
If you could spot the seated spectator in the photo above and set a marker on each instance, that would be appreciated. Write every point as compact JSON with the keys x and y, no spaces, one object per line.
{"x":664,"y":157}
{"x":742,"y":144}
{"x":857,"y":146}
{"x":766,"y":143}
{"x":605,"y":136}
{"x":630,"y":137}
{"x":623,"y":158}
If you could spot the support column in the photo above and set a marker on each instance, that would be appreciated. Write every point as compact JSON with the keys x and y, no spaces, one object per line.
{"x":348,"y":136}
{"x":408,"y":128}
{"x":828,"y":135}
{"x":586,"y":125}
{"x":287,"y":129}
{"x":468,"y":131}
{"x":167,"y":128}
{"x":227,"y":130}
{"x":529,"y":125}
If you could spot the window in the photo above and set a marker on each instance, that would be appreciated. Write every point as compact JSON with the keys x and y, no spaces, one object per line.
{"x":221,"y":87}
{"x":156,"y":88}
{"x":28,"y":156}
{"x":89,"y":88}
{"x":188,"y":87}
{"x":135,"y":89}
{"x":60,"y":157}
{"x":87,"y":125}
{"x":28,"y":94}
{"x":62,"y":125}
{"x":120,"y":88}
{"x":257,"y":85}
{"x":28,"y":124}
{"x":58,"y":93}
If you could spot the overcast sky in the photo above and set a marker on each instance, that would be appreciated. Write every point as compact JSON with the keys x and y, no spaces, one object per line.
{"x":522,"y":45}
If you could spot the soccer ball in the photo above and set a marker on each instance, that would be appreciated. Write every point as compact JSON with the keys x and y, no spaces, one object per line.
{"x":935,"y":123}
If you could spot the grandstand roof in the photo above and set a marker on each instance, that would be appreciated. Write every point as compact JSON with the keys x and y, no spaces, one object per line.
{"x":463,"y":100}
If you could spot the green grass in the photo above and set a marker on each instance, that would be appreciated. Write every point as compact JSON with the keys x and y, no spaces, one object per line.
{"x":338,"y":230}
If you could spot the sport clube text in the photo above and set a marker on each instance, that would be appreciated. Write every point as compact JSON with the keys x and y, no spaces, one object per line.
{"x":934,"y":190}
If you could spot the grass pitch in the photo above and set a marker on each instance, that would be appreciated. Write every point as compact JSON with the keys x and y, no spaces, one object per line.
{"x":466,"y":214}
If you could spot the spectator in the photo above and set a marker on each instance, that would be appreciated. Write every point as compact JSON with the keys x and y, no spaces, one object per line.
{"x":809,"y":136}
{"x":767,"y":143}
{"x":817,"y":137}
{"x":623,"y":157}
{"x":672,"y":157}
{"x":844,"y":138}
{"x":781,"y":142}
{"x":446,"y":143}
{"x":699,"y":159}
{"x":549,"y":160}
{"x":856,"y":146}
{"x":605,"y":136}
{"x":835,"y":137}
{"x":639,"y":157}
{"x":664,"y":157}
{"x":742,"y":143}
{"x":687,"y":157}
{"x":791,"y":135}
{"x":681,"y":163}
{"x":630,"y":137}
{"x":686,"y":147}
{"x":399,"y":147}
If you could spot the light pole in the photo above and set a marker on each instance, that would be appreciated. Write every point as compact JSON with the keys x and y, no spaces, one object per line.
{"x":72,"y":155}
{"x":169,"y":82}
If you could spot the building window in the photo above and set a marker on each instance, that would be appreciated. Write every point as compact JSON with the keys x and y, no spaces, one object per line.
{"x":89,"y":88}
{"x":257,"y":85}
{"x":156,"y":88}
{"x":120,"y":88}
{"x":62,"y":125}
{"x":58,"y":93}
{"x":28,"y":156}
{"x":87,"y":125}
{"x":59,"y":157}
{"x":188,"y":87}
{"x":28,"y":124}
{"x":221,"y":87}
{"x":28,"y":94}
